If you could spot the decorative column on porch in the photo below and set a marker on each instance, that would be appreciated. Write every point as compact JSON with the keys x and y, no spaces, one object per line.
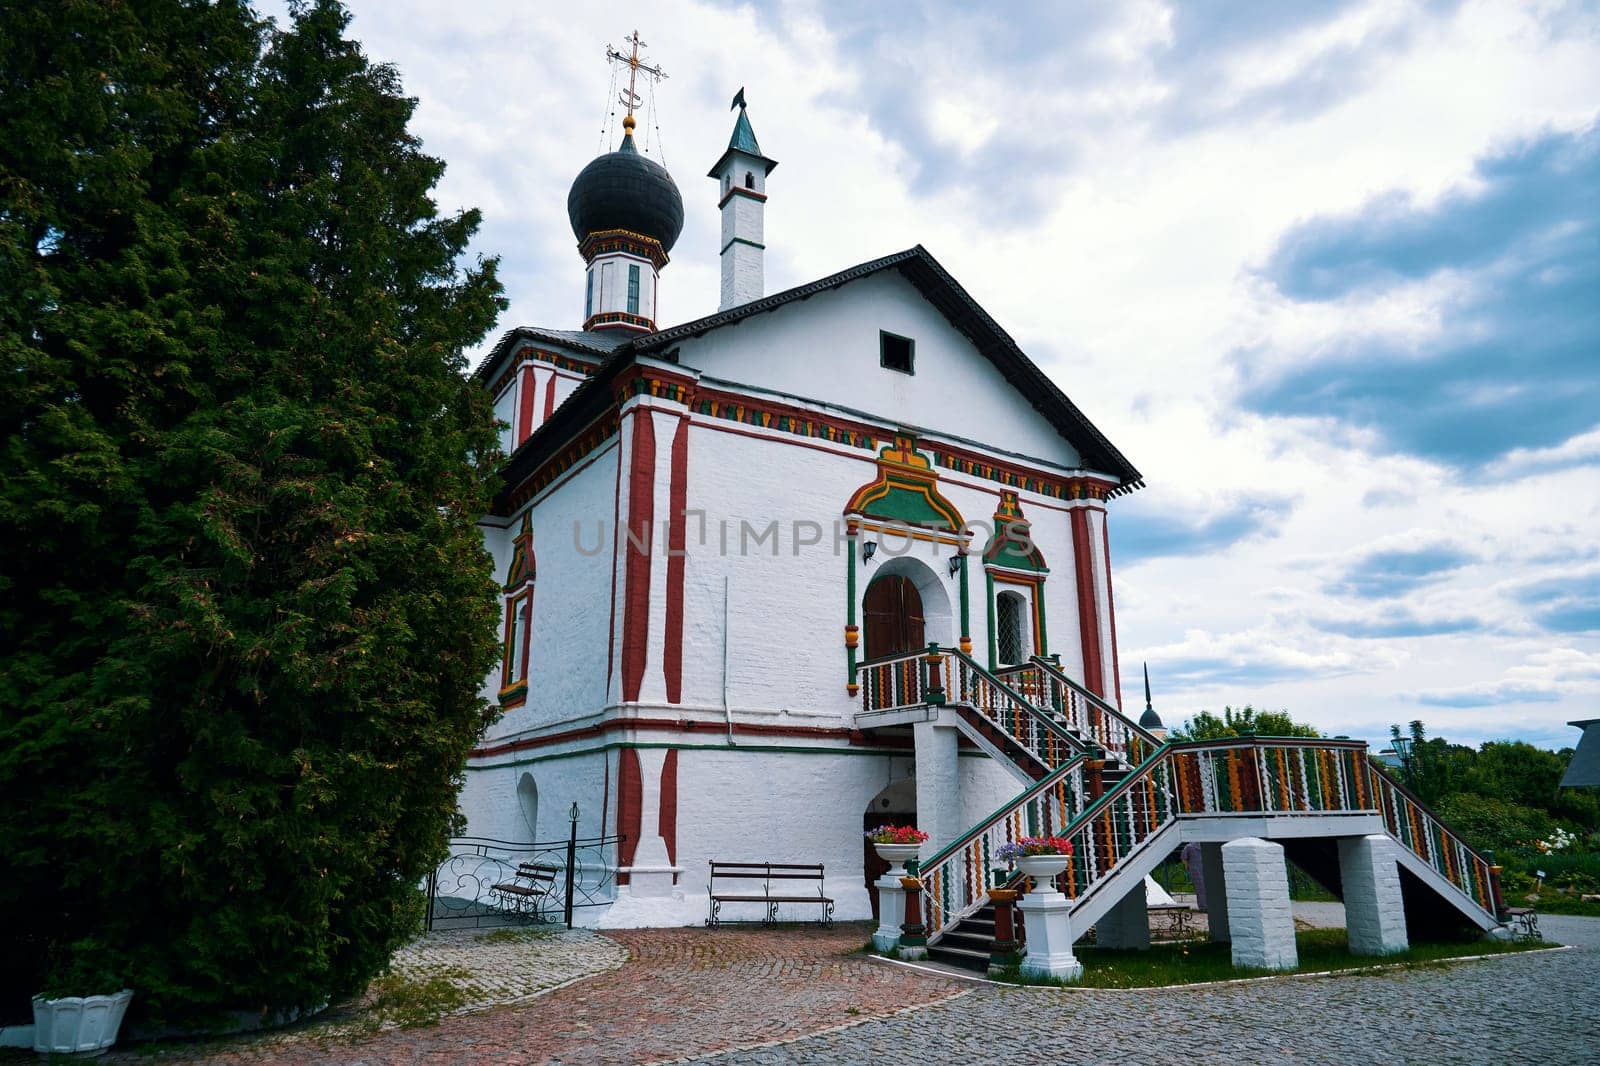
{"x":938,"y":786}
{"x":913,"y":934}
{"x":1003,"y":954}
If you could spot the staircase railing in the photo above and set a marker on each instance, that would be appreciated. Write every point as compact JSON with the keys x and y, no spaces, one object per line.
{"x":1284,"y":775}
{"x":1435,"y":843}
{"x":956,"y":878}
{"x":1044,"y":683}
{"x":946,"y":675}
{"x":1244,"y":776}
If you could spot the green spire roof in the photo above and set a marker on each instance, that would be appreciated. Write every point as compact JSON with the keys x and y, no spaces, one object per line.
{"x":743,"y":141}
{"x":744,"y":138}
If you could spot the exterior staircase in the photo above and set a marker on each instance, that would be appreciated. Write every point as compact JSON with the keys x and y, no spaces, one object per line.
{"x":969,"y":943}
{"x":1126,"y":799}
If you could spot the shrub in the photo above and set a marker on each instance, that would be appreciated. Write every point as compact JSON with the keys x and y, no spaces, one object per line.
{"x":244,"y":611}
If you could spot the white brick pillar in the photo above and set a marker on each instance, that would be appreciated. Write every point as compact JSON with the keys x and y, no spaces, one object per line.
{"x":1259,"y":920}
{"x":1126,"y":925}
{"x":1374,"y":911}
{"x":938,"y":789}
{"x":1216,"y":892}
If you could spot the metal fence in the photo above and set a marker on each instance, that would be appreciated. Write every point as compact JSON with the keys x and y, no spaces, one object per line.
{"x":477,"y":885}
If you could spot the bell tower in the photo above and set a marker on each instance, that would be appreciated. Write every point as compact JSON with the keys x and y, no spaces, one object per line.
{"x":741,"y":176}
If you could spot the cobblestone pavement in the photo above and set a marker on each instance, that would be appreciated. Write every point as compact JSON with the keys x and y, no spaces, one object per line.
{"x":683,"y":992}
{"x":504,"y":966}
{"x":1529,"y":1008}
{"x":489,"y":967}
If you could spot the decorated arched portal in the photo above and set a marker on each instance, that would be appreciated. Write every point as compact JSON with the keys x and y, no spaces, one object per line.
{"x":902,"y":512}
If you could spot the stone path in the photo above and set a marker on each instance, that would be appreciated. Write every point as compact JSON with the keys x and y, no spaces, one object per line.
{"x":1527,"y":1008}
{"x":801,"y":995}
{"x":683,"y":992}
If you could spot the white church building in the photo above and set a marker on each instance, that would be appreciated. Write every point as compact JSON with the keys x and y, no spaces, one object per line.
{"x":838,"y":556}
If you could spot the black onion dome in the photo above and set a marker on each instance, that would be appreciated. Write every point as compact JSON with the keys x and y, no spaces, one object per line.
{"x":625,"y":190}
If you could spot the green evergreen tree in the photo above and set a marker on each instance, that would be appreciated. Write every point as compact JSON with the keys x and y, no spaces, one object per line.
{"x":244,"y":610}
{"x":1237,"y":723}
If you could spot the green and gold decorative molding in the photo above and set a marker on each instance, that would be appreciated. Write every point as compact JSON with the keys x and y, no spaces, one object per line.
{"x":622,"y":240}
{"x":538,"y":355}
{"x":784,"y":422}
{"x":906,"y":490}
{"x":524,"y":567}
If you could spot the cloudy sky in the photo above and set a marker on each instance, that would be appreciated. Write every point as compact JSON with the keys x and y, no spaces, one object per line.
{"x":1328,"y":272}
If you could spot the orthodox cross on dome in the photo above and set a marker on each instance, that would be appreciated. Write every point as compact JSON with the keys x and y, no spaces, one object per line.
{"x":636,"y":66}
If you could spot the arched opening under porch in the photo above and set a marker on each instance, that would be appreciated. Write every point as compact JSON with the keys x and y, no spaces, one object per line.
{"x":895,"y":804}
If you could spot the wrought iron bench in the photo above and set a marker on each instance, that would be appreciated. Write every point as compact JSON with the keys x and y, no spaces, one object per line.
{"x":771,"y":894}
{"x":528,"y":888}
{"x":1524,"y":922}
{"x":1178,"y":918}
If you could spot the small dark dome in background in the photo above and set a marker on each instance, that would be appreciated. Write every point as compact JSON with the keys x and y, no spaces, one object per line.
{"x":625,"y":190}
{"x":1150,"y":720}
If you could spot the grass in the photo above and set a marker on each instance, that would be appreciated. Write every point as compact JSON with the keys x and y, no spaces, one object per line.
{"x":514,"y":936}
{"x":1199,"y":962}
{"x":414,"y":1002}
{"x":1551,"y":901}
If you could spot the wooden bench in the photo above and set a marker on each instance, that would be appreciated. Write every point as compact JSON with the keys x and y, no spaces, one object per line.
{"x":528,"y":888}
{"x":779,"y":883}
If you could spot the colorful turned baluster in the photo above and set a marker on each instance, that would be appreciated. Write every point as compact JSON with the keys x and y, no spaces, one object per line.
{"x":934,"y":662}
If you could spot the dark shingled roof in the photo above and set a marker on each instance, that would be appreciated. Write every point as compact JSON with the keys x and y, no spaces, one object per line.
{"x":597,"y":343}
{"x":1584,"y":769}
{"x":920,"y":268}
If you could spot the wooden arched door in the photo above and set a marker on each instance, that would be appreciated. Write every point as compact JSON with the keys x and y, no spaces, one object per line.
{"x":893,"y":613}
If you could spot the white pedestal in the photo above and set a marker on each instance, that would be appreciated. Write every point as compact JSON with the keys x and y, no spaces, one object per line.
{"x":1047,"y":919}
{"x":891,"y":911}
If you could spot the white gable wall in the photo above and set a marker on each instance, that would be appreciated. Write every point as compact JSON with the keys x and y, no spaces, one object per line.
{"x":826,"y":349}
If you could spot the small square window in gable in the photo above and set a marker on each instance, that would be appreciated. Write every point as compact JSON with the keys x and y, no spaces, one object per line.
{"x":896,"y":352}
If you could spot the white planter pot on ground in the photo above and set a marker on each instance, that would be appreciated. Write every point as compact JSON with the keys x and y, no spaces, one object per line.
{"x":77,"y":1024}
